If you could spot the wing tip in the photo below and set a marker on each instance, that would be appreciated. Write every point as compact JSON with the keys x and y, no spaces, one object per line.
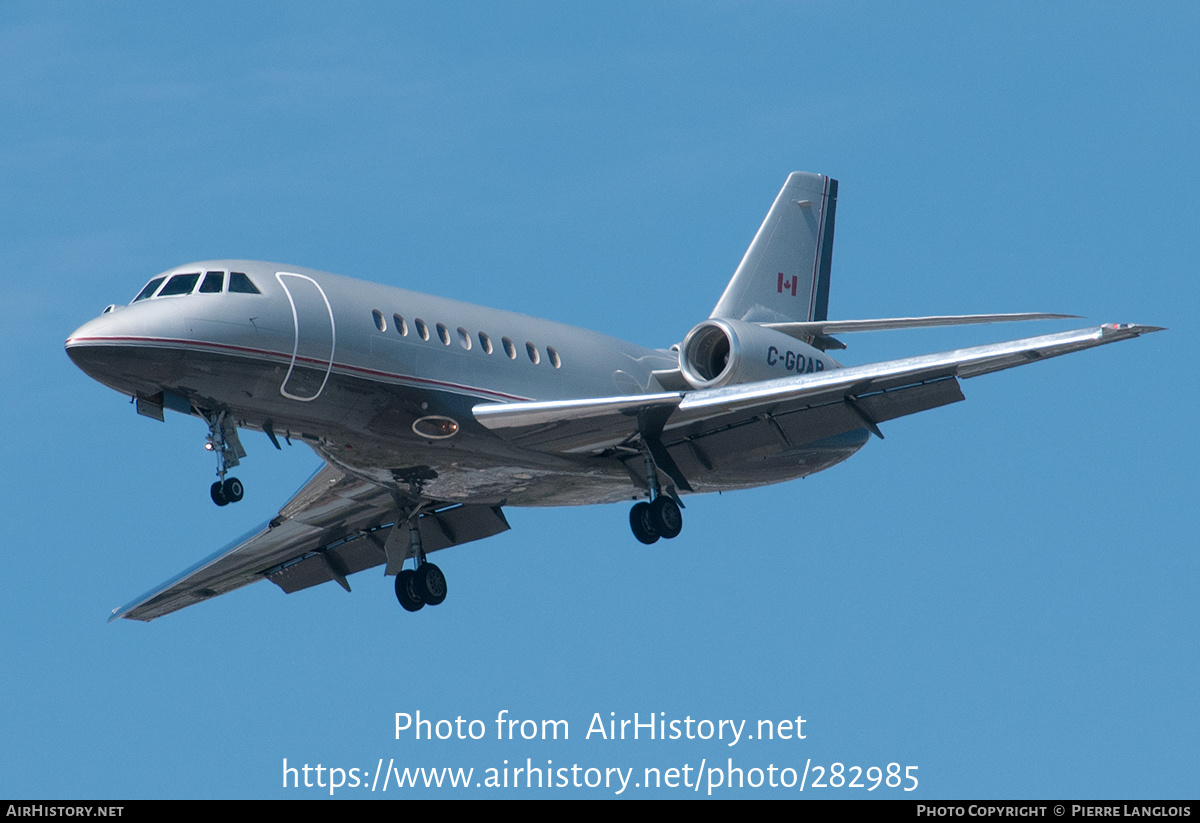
{"x":126,"y":612}
{"x":1130,"y":328}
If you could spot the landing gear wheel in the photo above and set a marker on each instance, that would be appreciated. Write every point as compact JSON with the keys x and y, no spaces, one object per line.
{"x":233,"y":489}
{"x":642,"y":523}
{"x":430,"y":583}
{"x":406,"y":591}
{"x":666,"y":517}
{"x":217,"y":492}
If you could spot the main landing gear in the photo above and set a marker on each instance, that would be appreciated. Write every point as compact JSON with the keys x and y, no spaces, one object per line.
{"x":661,"y":517}
{"x":424,"y":585}
{"x":223,"y":439}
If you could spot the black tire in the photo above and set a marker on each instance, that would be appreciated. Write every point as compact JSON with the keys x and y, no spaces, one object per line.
{"x":430,"y":583}
{"x":233,"y":490}
{"x":406,"y":591}
{"x":218,"y":494}
{"x":666,"y":517}
{"x":642,"y":524}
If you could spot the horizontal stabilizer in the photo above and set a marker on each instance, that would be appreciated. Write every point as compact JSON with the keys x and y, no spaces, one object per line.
{"x":818,"y":328}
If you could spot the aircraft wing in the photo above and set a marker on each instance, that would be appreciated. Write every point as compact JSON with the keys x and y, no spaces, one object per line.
{"x":335,"y":525}
{"x":701,"y":425}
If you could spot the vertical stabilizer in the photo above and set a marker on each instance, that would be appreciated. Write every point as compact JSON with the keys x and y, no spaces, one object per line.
{"x":784,"y":276}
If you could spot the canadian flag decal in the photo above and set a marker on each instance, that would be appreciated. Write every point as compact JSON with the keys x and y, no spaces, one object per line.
{"x":790,"y":283}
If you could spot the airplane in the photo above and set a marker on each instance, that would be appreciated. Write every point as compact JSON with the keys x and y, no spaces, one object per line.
{"x":431,"y":415}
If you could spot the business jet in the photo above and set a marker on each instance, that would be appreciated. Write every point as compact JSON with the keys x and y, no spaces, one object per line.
{"x":432,"y":415}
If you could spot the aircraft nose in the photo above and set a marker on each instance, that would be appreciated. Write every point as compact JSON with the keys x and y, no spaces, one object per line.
{"x":104,"y":350}
{"x":85,"y":346}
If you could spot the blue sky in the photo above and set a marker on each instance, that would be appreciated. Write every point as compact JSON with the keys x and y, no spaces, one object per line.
{"x":1002,"y":593}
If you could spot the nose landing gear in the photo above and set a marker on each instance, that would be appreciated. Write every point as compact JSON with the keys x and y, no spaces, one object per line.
{"x":223,"y":440}
{"x":228,"y":491}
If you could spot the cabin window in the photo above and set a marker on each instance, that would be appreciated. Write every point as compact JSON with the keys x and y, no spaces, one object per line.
{"x":212,"y":283}
{"x":554,"y":358}
{"x":149,"y":290}
{"x":380,"y":323}
{"x":532,"y":351}
{"x":240,"y":283}
{"x":464,"y":338}
{"x":509,"y":348}
{"x":180,"y":284}
{"x":401,"y":326}
{"x":422,"y":329}
{"x":485,"y":343}
{"x":443,"y":334}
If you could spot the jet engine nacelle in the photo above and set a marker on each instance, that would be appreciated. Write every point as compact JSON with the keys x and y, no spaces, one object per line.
{"x":721,"y":352}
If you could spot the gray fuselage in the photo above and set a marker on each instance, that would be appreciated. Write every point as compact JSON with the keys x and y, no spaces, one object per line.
{"x":349,"y":366}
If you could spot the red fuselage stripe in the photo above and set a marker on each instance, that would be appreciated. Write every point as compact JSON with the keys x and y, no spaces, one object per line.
{"x":176,"y":343}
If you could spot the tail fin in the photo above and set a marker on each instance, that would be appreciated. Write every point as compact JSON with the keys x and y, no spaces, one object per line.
{"x":784,"y":276}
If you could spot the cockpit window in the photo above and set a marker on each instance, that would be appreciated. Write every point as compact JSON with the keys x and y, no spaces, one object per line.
{"x":212,"y":283}
{"x":149,"y":290}
{"x":180,"y":284}
{"x":239,"y":282}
